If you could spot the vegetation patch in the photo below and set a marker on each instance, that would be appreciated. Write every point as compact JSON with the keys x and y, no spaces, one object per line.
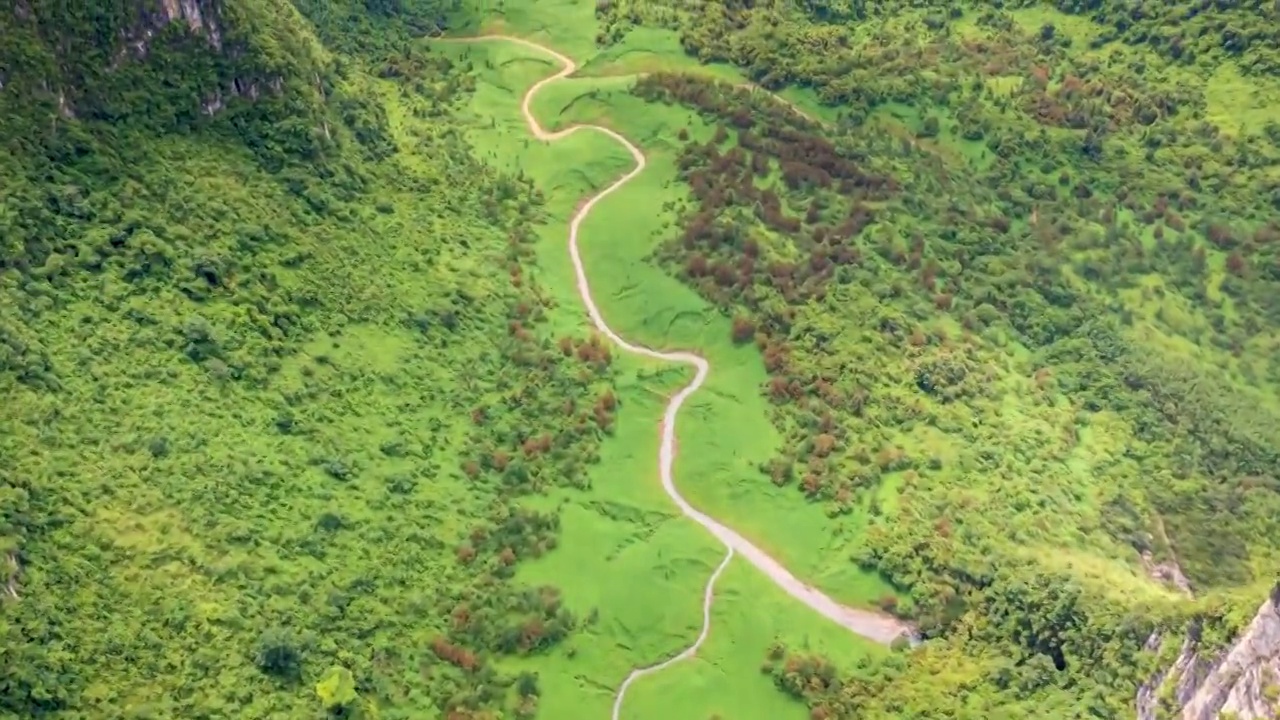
{"x":994,"y":305}
{"x":303,"y":415}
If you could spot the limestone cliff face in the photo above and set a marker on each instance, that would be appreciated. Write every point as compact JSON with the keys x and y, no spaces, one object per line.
{"x":214,"y":51}
{"x":199,"y":16}
{"x":1243,"y":682}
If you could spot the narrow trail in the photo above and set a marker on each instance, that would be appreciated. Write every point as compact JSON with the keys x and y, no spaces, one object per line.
{"x":14,"y":569}
{"x":879,"y":627}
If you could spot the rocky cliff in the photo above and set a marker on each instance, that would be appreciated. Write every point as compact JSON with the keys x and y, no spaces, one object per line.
{"x":200,"y":17}
{"x":1242,"y":682}
{"x":170,"y":60}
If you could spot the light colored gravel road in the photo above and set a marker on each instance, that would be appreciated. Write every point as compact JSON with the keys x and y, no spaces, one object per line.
{"x":875,"y":626}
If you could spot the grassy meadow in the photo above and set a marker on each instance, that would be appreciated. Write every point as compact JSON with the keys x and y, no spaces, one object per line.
{"x":637,"y":562}
{"x":303,"y":415}
{"x":1008,"y":336}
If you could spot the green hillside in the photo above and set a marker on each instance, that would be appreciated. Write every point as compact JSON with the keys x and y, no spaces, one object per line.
{"x":250,"y":361}
{"x":302,"y":415}
{"x":1016,"y":294}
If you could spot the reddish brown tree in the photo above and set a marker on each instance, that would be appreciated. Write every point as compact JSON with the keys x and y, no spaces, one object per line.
{"x":1236,"y":264}
{"x":500,"y":460}
{"x":744,"y":329}
{"x":823,"y":444}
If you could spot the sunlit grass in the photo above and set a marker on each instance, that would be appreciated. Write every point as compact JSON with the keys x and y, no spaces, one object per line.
{"x":634,"y":562}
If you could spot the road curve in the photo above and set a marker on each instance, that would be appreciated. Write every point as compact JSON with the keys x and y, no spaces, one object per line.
{"x":879,"y":627}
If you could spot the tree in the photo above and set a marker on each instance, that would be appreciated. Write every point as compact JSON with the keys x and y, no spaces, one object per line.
{"x":278,"y":655}
{"x":527,"y":685}
{"x":337,"y":690}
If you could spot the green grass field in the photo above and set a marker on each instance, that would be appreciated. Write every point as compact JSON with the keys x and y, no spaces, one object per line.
{"x":626,"y":552}
{"x":305,"y":416}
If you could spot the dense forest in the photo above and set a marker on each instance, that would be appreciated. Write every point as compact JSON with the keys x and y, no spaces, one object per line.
{"x":247,"y":467}
{"x":1026,"y":275}
{"x":277,"y":376}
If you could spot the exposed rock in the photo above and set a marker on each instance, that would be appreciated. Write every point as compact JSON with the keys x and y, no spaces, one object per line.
{"x":1168,"y":572}
{"x":1243,"y":681}
{"x":12,"y":570}
{"x":213,"y":103}
{"x":200,"y":17}
{"x":200,"y":22}
{"x":131,"y":42}
{"x":64,"y":107}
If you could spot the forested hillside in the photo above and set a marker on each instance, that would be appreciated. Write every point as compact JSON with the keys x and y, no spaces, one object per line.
{"x":259,"y":308}
{"x":1025,"y":277}
{"x":290,"y":415}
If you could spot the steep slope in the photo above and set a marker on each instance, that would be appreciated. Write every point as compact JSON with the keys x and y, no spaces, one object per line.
{"x":1017,"y":301}
{"x":257,"y":363}
{"x":1240,"y":681}
{"x":163,"y":62}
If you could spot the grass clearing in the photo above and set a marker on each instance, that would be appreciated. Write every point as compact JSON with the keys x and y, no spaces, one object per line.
{"x":300,"y":394}
{"x":1238,"y":104}
{"x":626,"y":554}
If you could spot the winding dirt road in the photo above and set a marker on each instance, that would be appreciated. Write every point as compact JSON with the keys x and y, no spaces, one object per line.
{"x":879,"y":627}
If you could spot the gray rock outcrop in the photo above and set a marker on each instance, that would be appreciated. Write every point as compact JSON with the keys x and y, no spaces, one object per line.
{"x":1242,"y":682}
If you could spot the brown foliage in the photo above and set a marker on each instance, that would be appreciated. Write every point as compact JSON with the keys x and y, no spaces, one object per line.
{"x":1267,"y":234}
{"x":1236,"y":264}
{"x":779,"y":472}
{"x":461,"y":617}
{"x":531,"y":633}
{"x":889,"y":457}
{"x":594,"y":351}
{"x":1221,"y":236}
{"x":778,"y":390}
{"x":454,"y":654}
{"x":823,"y":444}
{"x":603,"y":418}
{"x":500,"y":460}
{"x":1043,"y":377}
{"x":535,"y":446}
{"x":942,"y":527}
{"x":774,"y":357}
{"x":518,"y":331}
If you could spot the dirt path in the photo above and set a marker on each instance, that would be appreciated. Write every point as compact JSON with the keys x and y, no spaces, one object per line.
{"x":879,"y":627}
